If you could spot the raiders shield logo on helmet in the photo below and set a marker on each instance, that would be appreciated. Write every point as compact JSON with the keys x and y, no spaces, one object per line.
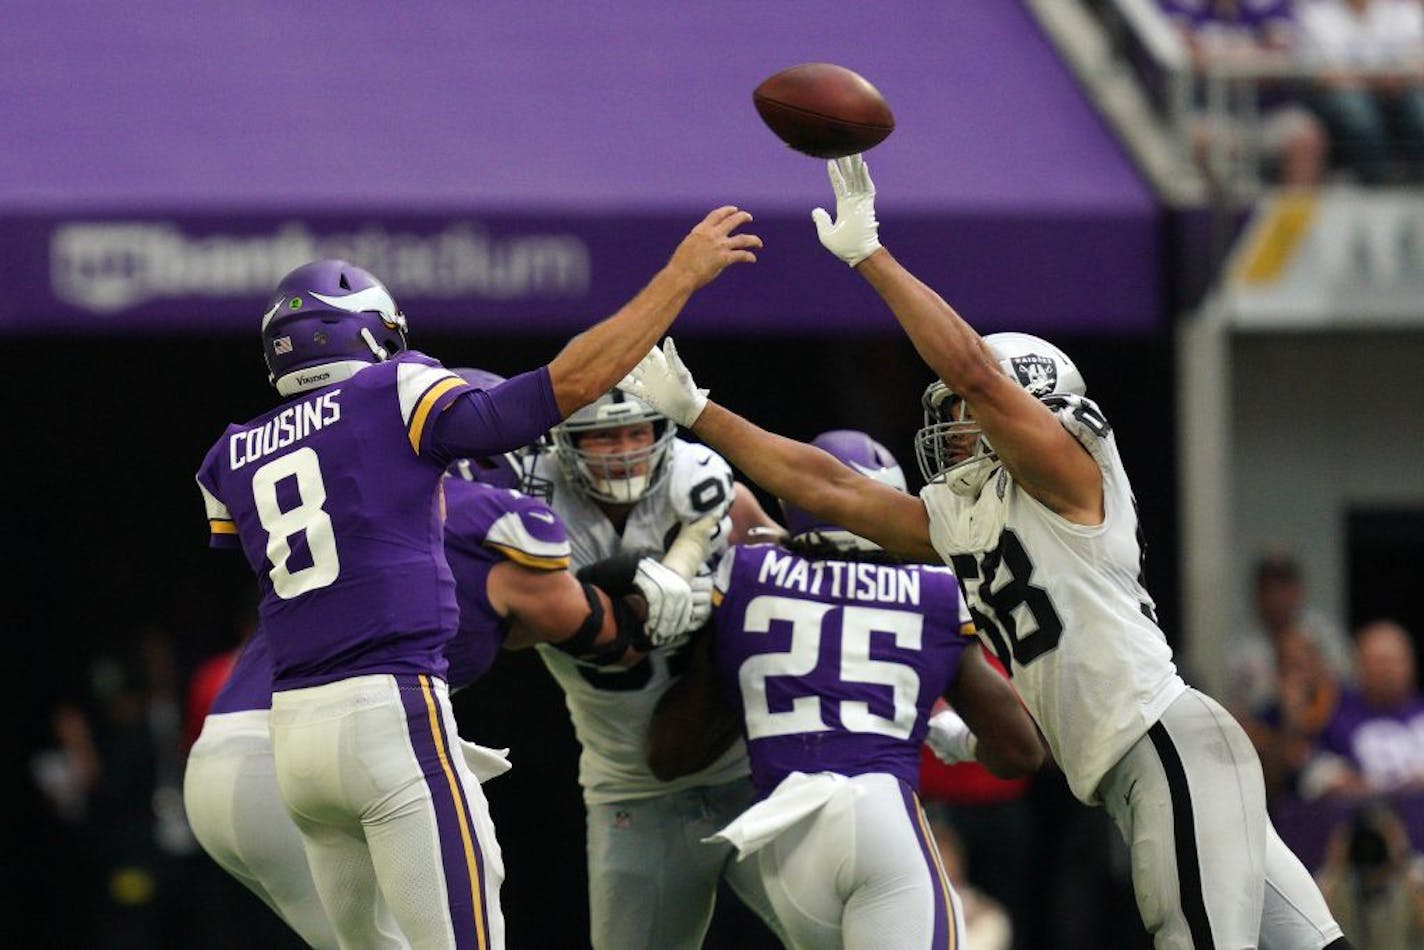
{"x":1036,"y":373}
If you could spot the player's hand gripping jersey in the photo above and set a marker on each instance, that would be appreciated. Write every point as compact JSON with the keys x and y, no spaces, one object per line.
{"x":611,"y":708}
{"x":834,"y":664}
{"x":333,"y":499}
{"x":1063,"y":605}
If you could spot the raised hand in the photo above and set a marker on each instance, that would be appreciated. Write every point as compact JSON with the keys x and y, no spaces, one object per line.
{"x":662,"y":381}
{"x":854,"y":234}
{"x":712,"y":245}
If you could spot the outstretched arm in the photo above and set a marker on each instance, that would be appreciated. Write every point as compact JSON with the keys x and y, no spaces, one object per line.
{"x":1041,"y":455}
{"x":794,"y":471}
{"x":820,"y":483}
{"x":592,"y":362}
{"x":1008,"y":741}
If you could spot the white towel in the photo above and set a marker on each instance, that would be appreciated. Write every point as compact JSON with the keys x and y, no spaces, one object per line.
{"x":798,"y":797}
{"x":485,"y":762}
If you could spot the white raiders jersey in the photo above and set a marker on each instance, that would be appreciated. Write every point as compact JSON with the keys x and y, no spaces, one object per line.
{"x":1063,"y":606}
{"x":611,"y":707}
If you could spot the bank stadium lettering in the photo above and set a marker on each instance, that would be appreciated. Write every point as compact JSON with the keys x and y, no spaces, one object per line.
{"x":882,"y":583}
{"x":109,"y":266}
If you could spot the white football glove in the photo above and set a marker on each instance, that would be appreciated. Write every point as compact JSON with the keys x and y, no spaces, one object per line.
{"x":854,"y":235}
{"x":701,"y":584}
{"x":670,"y":601}
{"x":949,"y":738}
{"x":662,"y":381}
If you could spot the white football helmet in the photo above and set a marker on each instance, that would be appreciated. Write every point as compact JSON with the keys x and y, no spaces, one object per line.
{"x":619,"y":478}
{"x":950,"y":447}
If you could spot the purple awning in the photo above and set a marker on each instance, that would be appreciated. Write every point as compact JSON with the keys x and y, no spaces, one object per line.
{"x":500,"y":161}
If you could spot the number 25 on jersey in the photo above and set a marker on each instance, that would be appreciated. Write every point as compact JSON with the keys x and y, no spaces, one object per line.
{"x":807,"y":619}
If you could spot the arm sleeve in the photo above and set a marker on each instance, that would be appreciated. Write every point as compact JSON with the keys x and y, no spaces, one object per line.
{"x":487,"y":422}
{"x":222,"y":529}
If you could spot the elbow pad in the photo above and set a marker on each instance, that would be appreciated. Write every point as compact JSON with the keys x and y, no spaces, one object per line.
{"x":614,"y":574}
{"x":582,"y":643}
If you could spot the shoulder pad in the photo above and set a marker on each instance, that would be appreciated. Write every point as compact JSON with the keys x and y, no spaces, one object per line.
{"x":1080,"y":415}
{"x":700,"y":481}
{"x":529,"y":533}
{"x":1086,"y":422}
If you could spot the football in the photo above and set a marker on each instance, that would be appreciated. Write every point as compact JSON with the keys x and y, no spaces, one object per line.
{"x":823,"y":110}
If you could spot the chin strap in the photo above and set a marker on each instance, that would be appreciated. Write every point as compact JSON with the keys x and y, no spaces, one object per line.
{"x":378,"y":351}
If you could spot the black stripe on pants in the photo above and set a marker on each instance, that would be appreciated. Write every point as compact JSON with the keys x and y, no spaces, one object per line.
{"x":1185,"y":834}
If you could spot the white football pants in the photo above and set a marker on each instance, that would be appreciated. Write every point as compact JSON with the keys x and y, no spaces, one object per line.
{"x":1208,"y":868}
{"x":861,"y":871}
{"x":652,"y":882}
{"x":372,"y":772}
{"x":230,"y":793}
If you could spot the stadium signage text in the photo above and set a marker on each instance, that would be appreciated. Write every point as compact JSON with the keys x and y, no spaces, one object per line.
{"x":107,"y":267}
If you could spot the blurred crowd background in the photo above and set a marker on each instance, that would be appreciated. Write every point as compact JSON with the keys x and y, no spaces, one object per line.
{"x":1212,"y":205}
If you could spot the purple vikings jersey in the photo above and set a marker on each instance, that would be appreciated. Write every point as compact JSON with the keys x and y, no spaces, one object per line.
{"x":834,"y":664}
{"x":332,"y":497}
{"x":484,"y":526}
{"x":1385,"y":745}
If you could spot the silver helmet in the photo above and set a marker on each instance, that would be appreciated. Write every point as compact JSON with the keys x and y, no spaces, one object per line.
{"x":618,"y":477}
{"x":950,"y":447}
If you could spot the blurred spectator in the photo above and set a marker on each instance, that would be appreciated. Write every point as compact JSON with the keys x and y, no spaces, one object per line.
{"x":66,"y":772}
{"x":1375,"y":741}
{"x":1373,"y":881}
{"x":108,"y":778}
{"x":1279,"y":604}
{"x":53,"y":873}
{"x":121,"y":817}
{"x":1286,"y":732}
{"x":164,"y":712}
{"x":988,"y":925}
{"x":1371,"y":91}
{"x":1224,"y":33}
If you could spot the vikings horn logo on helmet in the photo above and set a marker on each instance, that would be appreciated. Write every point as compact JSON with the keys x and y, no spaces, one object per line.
{"x":326,"y":321}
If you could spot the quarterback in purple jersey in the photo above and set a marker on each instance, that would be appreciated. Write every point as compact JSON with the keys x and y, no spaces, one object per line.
{"x":333,"y":498}
{"x":829,"y":655}
{"x":508,"y":555}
